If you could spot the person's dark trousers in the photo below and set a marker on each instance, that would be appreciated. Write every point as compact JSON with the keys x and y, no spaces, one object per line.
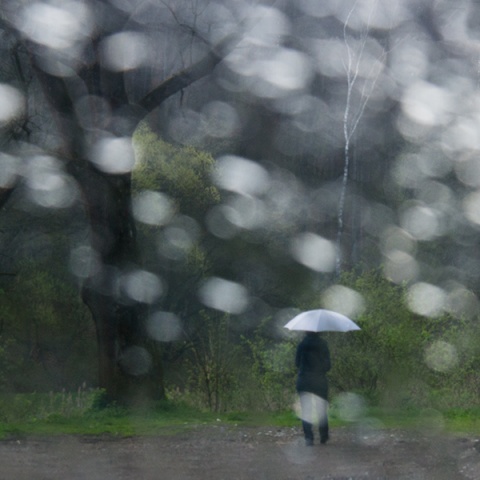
{"x":307,"y":432}
{"x":323,"y":430}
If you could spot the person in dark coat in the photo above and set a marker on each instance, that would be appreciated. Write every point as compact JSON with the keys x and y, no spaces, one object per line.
{"x":313,"y":362}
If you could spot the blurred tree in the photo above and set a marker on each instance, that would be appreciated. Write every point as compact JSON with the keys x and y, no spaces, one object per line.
{"x":81,"y":70}
{"x":280,"y":95}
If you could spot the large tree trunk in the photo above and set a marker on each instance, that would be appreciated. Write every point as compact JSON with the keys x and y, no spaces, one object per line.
{"x":124,"y":350}
{"x":128,"y":370}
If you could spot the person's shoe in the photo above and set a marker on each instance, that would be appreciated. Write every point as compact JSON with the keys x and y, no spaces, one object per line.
{"x":324,"y":440}
{"x":309,"y":442}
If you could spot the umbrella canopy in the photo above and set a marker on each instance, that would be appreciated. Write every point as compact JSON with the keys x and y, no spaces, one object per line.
{"x":321,"y":321}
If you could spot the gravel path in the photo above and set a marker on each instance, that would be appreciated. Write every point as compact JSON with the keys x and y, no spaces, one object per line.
{"x":241,"y":453}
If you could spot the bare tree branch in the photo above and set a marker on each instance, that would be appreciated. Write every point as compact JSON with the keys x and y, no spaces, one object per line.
{"x":186,"y":77}
{"x":191,"y":29}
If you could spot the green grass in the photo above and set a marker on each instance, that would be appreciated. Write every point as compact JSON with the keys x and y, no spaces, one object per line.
{"x":22,"y":416}
{"x":461,"y":421}
{"x":167,"y":419}
{"x":79,"y":414}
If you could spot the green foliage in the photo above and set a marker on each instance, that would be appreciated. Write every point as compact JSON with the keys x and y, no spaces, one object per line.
{"x":66,"y":413}
{"x":272,"y":372}
{"x":388,"y":359}
{"x":225,"y":371}
{"x":7,"y":369}
{"x":390,"y":362}
{"x":388,"y":344}
{"x":217,"y":368}
{"x":16,"y":408}
{"x":183,"y":173}
{"x":100,"y":400}
{"x":211,"y":363}
{"x":70,"y":413}
{"x":47,"y":339}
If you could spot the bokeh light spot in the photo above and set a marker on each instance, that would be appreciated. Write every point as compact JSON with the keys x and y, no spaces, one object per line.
{"x":330,"y":56}
{"x":178,"y":238}
{"x":152,"y":208}
{"x":222,"y":119}
{"x":314,"y":251}
{"x":287,"y":69}
{"x":124,"y":51}
{"x":224,"y":295}
{"x":349,"y":406}
{"x":12,"y":103}
{"x":240,"y":175}
{"x":422,"y":222}
{"x":245,"y":212}
{"x":221,"y":222}
{"x":441,"y":356}
{"x":164,"y":327}
{"x":400,"y":266}
{"x":84,"y":261}
{"x":427,"y":104}
{"x":394,"y":238}
{"x":316,"y":8}
{"x":462,"y":302}
{"x":265,"y":25}
{"x":142,"y":286}
{"x":114,"y":155}
{"x":57,"y":25}
{"x":48,"y":185}
{"x":343,"y":300}
{"x":426,"y":299}
{"x":409,"y":61}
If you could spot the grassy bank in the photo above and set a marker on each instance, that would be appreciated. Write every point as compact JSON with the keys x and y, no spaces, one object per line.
{"x":81,"y":414}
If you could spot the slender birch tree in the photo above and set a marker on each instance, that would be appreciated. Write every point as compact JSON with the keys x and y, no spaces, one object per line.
{"x":355,"y":54}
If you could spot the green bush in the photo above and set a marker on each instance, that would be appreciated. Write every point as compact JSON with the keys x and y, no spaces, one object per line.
{"x":389,"y":359}
{"x":206,"y":375}
{"x":224,"y":372}
{"x":30,"y":407}
{"x":272,"y":373}
{"x":47,"y":337}
{"x":397,"y":360}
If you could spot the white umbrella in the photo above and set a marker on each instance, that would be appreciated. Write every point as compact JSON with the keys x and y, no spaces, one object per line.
{"x":321,"y":321}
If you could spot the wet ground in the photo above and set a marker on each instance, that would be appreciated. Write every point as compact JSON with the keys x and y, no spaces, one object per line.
{"x":241,"y":453}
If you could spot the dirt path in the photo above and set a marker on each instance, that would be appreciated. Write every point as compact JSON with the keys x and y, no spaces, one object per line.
{"x":240,"y":453}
